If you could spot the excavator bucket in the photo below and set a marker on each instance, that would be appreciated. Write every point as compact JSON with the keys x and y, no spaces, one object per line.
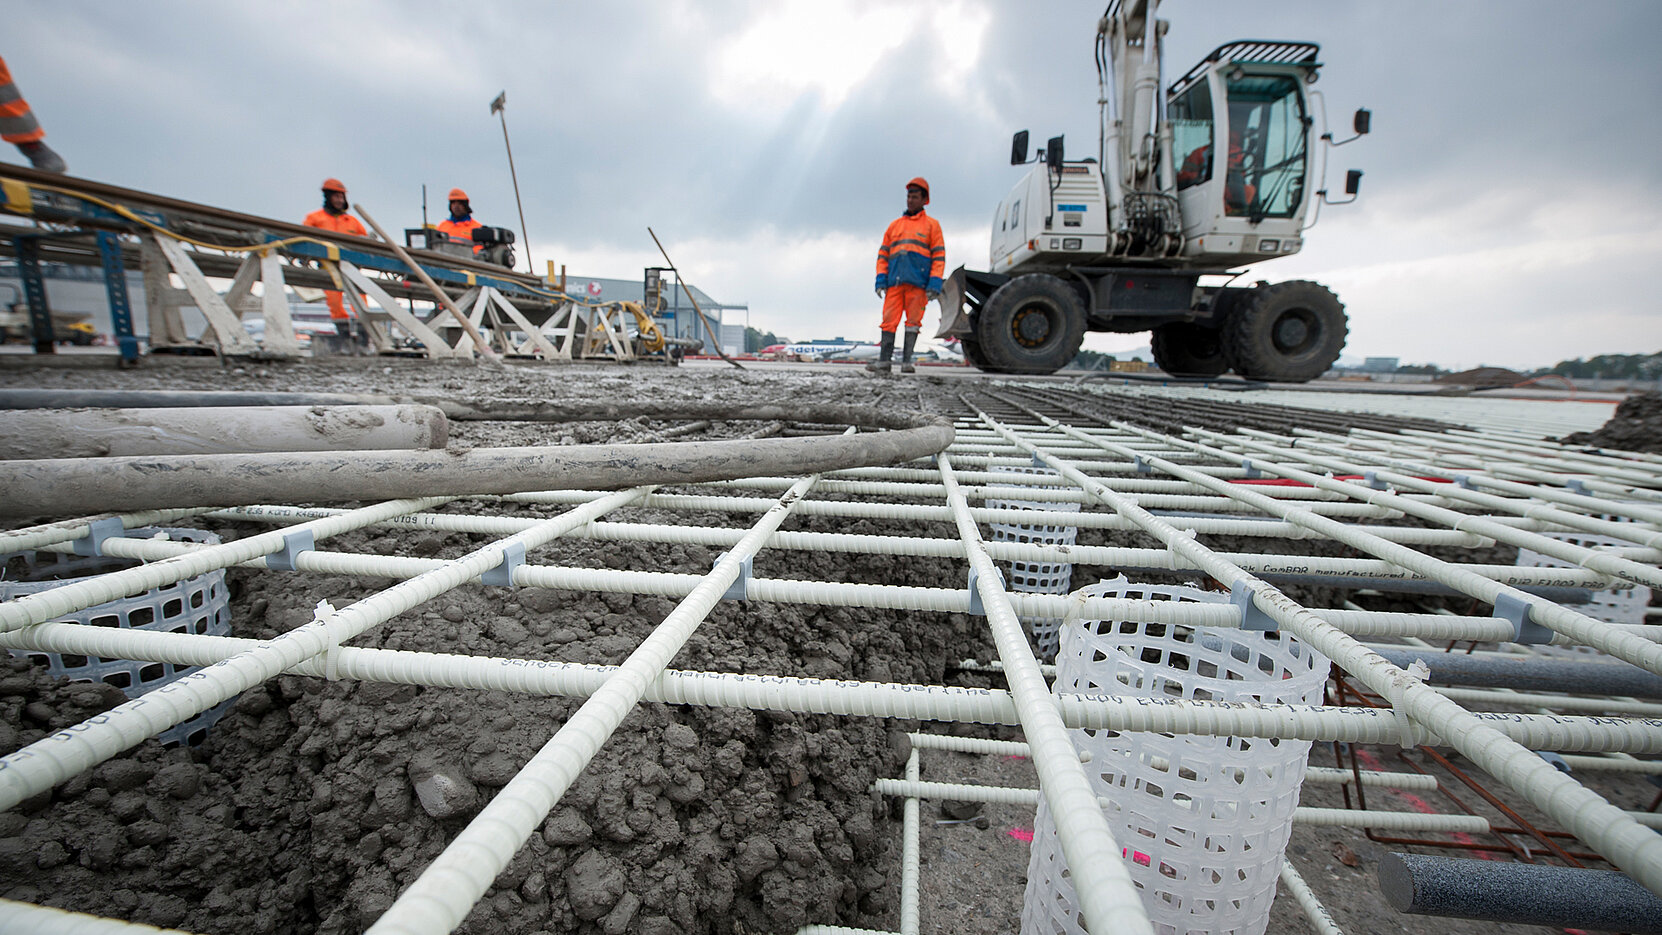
{"x":954,"y":322}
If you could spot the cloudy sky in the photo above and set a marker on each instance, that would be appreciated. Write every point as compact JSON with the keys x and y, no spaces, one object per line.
{"x":1510,"y":212}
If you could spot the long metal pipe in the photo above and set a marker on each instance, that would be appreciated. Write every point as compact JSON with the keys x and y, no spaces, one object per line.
{"x":99,"y":433}
{"x":65,"y":486}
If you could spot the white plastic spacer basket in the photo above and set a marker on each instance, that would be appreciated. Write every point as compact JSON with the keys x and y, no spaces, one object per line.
{"x":199,"y":605}
{"x":1036,"y":577}
{"x":1203,"y":820}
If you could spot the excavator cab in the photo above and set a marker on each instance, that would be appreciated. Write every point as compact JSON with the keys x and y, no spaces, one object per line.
{"x":1242,"y":141}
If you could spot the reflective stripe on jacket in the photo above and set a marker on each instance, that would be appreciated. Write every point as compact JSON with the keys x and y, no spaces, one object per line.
{"x":17,"y":122}
{"x":461,"y":232}
{"x":342,"y":223}
{"x":913,"y":253}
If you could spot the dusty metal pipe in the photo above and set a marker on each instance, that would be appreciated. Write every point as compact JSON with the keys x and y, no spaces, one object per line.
{"x":158,"y":399}
{"x":100,"y":433}
{"x":54,"y":487}
{"x":1521,"y":894}
{"x":1606,"y":679}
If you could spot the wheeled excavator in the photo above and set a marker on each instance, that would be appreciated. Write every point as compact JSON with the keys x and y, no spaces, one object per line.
{"x":1213,"y":175}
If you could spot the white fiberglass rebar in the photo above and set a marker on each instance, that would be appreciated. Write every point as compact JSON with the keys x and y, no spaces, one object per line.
{"x":842,"y":697}
{"x":1608,"y":829}
{"x":1314,"y":911}
{"x":1557,"y":548}
{"x":35,"y":537}
{"x":1302,"y":815}
{"x":79,"y":595}
{"x":909,"y":854}
{"x":58,"y":756}
{"x":1108,"y":899}
{"x":1580,"y":627}
{"x":447,"y":890}
{"x":28,"y":919}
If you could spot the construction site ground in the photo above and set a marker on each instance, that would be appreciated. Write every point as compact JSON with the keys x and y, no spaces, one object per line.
{"x":296,"y":815}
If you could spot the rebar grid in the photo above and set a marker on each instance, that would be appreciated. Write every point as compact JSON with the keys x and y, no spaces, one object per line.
{"x":1151,"y":481}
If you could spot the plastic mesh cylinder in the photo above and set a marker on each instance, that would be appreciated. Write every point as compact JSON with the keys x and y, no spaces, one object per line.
{"x":1036,"y":577}
{"x":1203,"y":821}
{"x":1625,"y":605}
{"x":199,"y":605}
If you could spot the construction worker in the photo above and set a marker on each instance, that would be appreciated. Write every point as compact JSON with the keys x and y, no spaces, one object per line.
{"x":1238,"y":193}
{"x":910,"y":266}
{"x":19,"y":127}
{"x":333,"y":217}
{"x":459,"y":226}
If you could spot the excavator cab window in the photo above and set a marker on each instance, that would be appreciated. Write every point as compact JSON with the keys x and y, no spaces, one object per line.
{"x":1191,"y":123}
{"x":1267,"y":146}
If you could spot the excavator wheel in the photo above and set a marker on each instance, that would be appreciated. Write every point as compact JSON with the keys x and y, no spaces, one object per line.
{"x":1289,"y":332}
{"x":973,"y":354}
{"x":1185,"y":349}
{"x":1031,"y":324}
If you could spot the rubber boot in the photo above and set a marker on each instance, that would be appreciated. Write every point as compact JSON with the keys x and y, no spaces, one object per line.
{"x":885,"y":355}
{"x":906,"y":352}
{"x":43,"y":157}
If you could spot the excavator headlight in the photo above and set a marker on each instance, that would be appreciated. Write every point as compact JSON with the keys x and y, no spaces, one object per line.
{"x":1072,"y":243}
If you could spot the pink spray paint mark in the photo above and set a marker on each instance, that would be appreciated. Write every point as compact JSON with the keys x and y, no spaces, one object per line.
{"x":1024,"y":835}
{"x":1369,"y":761}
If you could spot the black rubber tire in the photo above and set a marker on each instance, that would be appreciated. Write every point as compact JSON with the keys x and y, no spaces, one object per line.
{"x":1031,"y":324}
{"x":973,"y":354}
{"x":1185,"y":349}
{"x":1289,"y":332}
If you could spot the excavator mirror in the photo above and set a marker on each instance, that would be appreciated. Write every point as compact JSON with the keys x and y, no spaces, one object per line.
{"x":1353,"y":179}
{"x":1053,"y":154}
{"x":1363,"y":116}
{"x":1018,"y":149}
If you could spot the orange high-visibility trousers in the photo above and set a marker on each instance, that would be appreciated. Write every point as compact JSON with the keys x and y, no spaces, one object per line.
{"x":17,"y":122}
{"x":907,"y":300}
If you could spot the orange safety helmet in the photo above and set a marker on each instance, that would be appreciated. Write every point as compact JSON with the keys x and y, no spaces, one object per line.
{"x":457,"y":194}
{"x":922,"y":183}
{"x":334,"y":185}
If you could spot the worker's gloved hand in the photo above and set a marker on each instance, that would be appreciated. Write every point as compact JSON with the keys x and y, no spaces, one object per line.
{"x":882,"y":292}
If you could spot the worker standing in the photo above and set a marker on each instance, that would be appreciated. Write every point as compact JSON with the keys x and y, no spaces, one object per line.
{"x":911,"y":264}
{"x":333,"y":217}
{"x":459,"y":226}
{"x":19,"y":127}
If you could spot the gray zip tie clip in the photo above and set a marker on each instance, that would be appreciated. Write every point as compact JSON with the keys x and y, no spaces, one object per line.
{"x":97,"y":531}
{"x":1576,"y":485}
{"x":1374,"y":481}
{"x":1524,"y":630}
{"x":1252,"y":473}
{"x":1142,"y":466}
{"x":1037,"y":462}
{"x":1553,"y":758}
{"x":502,"y":576}
{"x":294,"y":542}
{"x":1252,"y":618}
{"x":976,"y":608}
{"x":736,"y":590}
{"x":1461,"y":480}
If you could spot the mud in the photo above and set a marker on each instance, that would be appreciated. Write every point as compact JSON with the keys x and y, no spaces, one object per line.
{"x":312,"y":804}
{"x":1636,"y":426}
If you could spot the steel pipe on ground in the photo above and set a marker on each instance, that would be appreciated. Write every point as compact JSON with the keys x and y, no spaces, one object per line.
{"x":66,"y":486}
{"x":1520,"y":894}
{"x":101,"y":433}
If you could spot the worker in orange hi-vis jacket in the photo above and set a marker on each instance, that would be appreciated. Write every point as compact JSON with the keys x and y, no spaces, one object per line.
{"x":459,"y":226}
{"x":19,"y":127}
{"x":333,"y":217}
{"x":911,"y":264}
